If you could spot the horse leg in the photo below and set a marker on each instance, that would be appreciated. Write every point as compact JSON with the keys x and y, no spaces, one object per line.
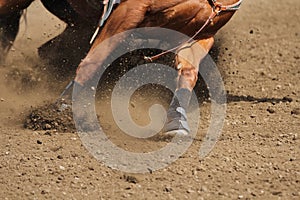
{"x":72,"y":44}
{"x":127,"y":15}
{"x":10,"y":14}
{"x":8,"y":7}
{"x":62,"y":10}
{"x":188,"y":60}
{"x":9,"y":27}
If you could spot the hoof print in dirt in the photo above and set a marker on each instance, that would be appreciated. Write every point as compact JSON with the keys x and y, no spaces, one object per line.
{"x":50,"y":117}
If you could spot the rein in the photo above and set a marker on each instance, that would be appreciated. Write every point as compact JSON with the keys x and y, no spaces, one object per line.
{"x":217,"y":8}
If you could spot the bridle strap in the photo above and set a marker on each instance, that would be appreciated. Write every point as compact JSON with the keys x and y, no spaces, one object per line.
{"x":216,"y":9}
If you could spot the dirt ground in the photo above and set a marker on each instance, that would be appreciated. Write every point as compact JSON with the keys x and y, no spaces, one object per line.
{"x":257,"y":156}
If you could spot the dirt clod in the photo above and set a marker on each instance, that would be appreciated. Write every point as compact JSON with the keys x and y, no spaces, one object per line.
{"x":295,"y":111}
{"x":39,"y":142}
{"x":130,"y":179}
{"x":271,"y":110}
{"x":50,"y":117}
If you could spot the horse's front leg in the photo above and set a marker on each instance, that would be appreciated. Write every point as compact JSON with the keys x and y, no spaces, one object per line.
{"x":128,"y":15}
{"x":9,"y":27}
{"x":188,"y":60}
{"x":10,"y":14}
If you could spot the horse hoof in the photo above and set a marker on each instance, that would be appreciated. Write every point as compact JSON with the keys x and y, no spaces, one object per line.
{"x":176,"y":122}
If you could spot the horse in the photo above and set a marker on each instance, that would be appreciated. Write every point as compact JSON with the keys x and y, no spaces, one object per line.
{"x":198,"y":19}
{"x":187,"y":17}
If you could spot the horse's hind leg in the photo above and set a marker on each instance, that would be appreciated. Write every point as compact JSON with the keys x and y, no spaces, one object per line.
{"x":62,"y":10}
{"x":10,"y":14}
{"x":70,"y":46}
{"x":9,"y":27}
{"x":188,"y":61}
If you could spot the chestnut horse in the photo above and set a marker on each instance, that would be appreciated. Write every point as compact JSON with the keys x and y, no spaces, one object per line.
{"x":199,"y":19}
{"x":188,"y":17}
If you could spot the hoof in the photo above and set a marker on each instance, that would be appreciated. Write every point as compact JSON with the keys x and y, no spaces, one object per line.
{"x":177,"y":123}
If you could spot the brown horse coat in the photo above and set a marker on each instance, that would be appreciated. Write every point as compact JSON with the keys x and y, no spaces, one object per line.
{"x":185,"y":16}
